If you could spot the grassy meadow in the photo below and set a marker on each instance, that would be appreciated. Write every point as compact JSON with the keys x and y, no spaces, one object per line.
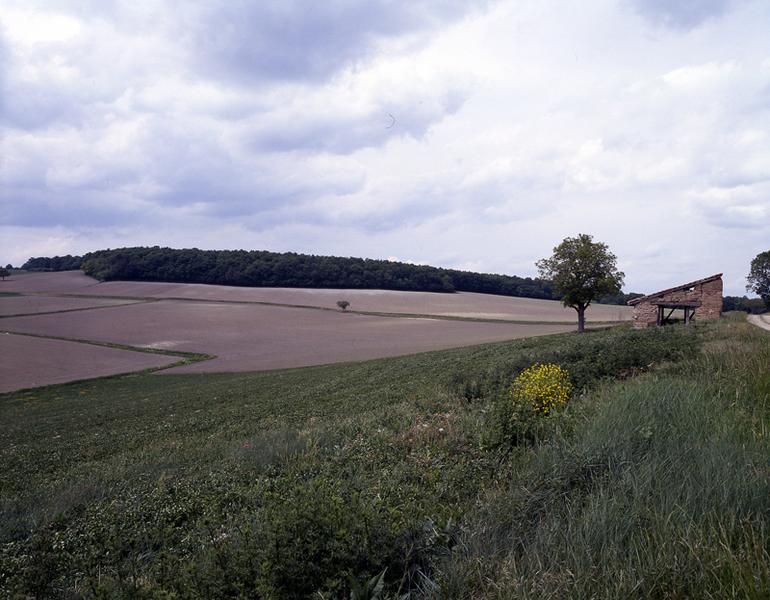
{"x":653,"y":482}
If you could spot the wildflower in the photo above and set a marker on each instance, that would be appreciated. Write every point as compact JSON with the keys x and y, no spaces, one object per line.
{"x":540,"y":389}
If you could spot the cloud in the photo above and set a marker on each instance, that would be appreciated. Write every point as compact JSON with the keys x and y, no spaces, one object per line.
{"x":738,"y":207}
{"x":280,"y":40}
{"x":683,"y":14}
{"x":268,"y":125}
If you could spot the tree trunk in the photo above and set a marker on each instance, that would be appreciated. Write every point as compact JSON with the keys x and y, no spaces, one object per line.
{"x":581,"y":311}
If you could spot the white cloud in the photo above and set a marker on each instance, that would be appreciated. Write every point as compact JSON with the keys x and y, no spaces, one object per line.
{"x":513,"y":126}
{"x":27,"y":27}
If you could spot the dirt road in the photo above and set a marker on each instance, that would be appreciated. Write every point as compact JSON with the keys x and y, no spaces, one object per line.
{"x":762,"y":321}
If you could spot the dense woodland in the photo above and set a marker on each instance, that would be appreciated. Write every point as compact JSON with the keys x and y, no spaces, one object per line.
{"x":53,"y":263}
{"x":270,"y":269}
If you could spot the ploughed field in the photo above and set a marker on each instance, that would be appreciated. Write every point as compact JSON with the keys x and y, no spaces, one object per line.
{"x":83,"y":328}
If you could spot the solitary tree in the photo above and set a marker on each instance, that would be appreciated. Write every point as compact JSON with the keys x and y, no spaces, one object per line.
{"x":581,"y":270}
{"x":4,"y":273}
{"x":759,"y":277}
{"x":343,"y":304}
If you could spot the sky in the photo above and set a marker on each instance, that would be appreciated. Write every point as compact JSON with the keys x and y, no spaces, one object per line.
{"x":471,"y":135}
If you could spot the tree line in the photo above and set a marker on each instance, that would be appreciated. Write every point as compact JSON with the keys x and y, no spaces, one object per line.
{"x":259,"y":268}
{"x":53,"y":263}
{"x":753,"y":306}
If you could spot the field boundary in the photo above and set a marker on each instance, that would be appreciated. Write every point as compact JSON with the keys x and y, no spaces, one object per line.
{"x":68,"y":310}
{"x":187,"y":358}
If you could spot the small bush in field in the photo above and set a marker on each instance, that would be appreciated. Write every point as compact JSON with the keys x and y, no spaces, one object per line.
{"x":540,"y":389}
{"x":343,"y":304}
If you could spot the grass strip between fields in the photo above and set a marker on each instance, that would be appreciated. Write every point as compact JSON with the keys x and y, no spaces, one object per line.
{"x":68,"y":310}
{"x":187,"y":358}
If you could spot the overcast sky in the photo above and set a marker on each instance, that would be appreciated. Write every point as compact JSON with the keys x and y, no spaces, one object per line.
{"x":460,"y":134}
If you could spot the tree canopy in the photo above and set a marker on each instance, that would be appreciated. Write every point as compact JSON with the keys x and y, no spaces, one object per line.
{"x":270,"y":269}
{"x":258,"y":268}
{"x":758,"y":280}
{"x":55,"y":263}
{"x":581,"y":271}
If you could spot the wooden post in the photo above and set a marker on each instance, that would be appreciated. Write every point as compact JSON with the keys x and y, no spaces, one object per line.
{"x":659,"y":321}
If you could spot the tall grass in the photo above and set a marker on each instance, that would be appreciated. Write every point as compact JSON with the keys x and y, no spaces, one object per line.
{"x":661,"y":491}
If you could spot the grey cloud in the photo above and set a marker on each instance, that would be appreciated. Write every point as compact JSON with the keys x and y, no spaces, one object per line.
{"x":681,"y":14}
{"x":40,"y":207}
{"x":737,"y":216}
{"x":338,"y":132}
{"x":33,"y":106}
{"x":284,"y":40}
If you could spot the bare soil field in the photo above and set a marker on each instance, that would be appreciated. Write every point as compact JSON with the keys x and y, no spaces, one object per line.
{"x":24,"y":305}
{"x":247,"y":329}
{"x":254,"y":337}
{"x":461,"y":304}
{"x":32,"y":362}
{"x":63,"y":282}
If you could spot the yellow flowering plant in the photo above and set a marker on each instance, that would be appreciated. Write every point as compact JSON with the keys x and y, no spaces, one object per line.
{"x":520,"y":415}
{"x":540,"y":389}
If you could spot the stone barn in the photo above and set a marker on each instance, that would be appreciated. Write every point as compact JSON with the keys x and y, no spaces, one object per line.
{"x":700,"y":300}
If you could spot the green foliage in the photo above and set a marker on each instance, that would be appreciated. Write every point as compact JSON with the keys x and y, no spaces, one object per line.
{"x":752,"y":306}
{"x":4,"y":273}
{"x":659,"y":490}
{"x":581,"y":271}
{"x":758,"y":280}
{"x":619,"y":352}
{"x":370,"y":589}
{"x":56,"y":263}
{"x":521,"y":416}
{"x":265,"y":269}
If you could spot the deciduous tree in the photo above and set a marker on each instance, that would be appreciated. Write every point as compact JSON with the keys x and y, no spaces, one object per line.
{"x":759,"y":277}
{"x":581,"y":271}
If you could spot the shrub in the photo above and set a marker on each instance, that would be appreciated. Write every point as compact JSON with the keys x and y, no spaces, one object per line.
{"x":540,"y":389}
{"x":521,"y":415}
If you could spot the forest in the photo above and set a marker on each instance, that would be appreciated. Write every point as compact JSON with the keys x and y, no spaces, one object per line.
{"x":259,"y":268}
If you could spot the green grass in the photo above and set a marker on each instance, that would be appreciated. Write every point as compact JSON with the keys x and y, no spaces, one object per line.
{"x":661,"y":491}
{"x":288,"y":483}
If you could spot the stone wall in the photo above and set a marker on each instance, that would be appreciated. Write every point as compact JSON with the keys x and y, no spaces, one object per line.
{"x":645,"y":315}
{"x":711,"y":297}
{"x":708,"y":294}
